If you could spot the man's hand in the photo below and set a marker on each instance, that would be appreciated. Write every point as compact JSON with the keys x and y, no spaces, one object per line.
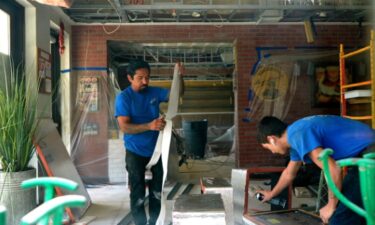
{"x":181,"y":68}
{"x":326,"y":212}
{"x":267,"y":195}
{"x":157,"y":124}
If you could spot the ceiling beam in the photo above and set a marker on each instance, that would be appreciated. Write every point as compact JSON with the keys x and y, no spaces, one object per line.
{"x":163,"y":6}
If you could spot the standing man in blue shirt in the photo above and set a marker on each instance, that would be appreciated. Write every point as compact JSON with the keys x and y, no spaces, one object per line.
{"x":304,"y":140}
{"x":137,"y":113}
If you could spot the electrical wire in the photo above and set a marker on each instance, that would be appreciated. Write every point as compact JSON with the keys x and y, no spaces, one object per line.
{"x":119,"y":17}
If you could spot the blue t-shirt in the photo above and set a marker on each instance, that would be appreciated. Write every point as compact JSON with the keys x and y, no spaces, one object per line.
{"x":141,"y":107}
{"x":346,"y":137}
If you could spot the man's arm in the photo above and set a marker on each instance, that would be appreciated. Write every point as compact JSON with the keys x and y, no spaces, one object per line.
{"x":335,"y":171}
{"x":286,"y":178}
{"x":182,"y":83}
{"x":127,"y":127}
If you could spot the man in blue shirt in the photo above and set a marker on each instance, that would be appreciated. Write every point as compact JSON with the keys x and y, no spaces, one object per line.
{"x":304,"y":140}
{"x":137,"y":113}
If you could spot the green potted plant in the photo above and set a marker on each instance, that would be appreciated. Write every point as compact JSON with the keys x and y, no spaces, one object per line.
{"x":18,"y":123}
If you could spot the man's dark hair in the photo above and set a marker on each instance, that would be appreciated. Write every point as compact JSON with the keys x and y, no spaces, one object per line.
{"x":136,"y":64}
{"x":270,"y":125}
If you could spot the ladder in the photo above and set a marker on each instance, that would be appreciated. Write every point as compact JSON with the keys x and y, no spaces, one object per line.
{"x":368,"y":83}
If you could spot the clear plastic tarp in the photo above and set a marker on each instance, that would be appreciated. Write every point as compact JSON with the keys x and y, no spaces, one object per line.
{"x":274,"y":84}
{"x":97,"y":147}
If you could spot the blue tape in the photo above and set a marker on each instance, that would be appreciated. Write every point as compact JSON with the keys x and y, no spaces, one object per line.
{"x":85,"y":69}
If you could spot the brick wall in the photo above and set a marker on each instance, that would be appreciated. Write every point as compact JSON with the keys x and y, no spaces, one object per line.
{"x":89,"y":49}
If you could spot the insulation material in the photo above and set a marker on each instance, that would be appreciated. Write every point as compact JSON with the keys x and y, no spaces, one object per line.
{"x":238,"y":181}
{"x":166,"y":134}
{"x":164,"y":138}
{"x":214,"y":185}
{"x":205,"y":209}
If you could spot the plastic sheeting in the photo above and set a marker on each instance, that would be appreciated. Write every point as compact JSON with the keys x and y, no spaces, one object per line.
{"x":96,"y":144}
{"x":273,"y":86}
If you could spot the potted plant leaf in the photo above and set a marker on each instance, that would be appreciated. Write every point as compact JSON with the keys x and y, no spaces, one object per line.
{"x":18,"y":122}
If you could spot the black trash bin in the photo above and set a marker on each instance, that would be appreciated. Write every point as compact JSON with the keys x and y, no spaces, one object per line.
{"x":195,"y":133}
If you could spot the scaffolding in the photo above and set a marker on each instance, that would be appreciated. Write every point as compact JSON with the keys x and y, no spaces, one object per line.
{"x":366,"y":96}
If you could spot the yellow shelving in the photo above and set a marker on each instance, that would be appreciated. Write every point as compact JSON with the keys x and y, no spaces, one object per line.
{"x":369,"y":83}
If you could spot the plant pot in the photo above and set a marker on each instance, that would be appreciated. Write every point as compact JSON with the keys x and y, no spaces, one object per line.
{"x":18,"y":202}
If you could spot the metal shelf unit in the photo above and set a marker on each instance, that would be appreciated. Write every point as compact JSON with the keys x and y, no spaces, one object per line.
{"x":368,"y":83}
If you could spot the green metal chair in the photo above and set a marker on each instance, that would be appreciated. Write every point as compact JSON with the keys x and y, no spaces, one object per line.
{"x":367,"y":182}
{"x":49,"y":184}
{"x":369,"y":155}
{"x":3,"y":215}
{"x":54,"y":209}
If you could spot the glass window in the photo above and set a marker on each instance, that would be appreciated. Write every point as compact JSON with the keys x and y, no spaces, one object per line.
{"x":5,"y":33}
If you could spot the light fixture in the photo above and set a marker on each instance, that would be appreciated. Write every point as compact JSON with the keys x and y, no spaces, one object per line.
{"x":195,"y":14}
{"x":61,"y":3}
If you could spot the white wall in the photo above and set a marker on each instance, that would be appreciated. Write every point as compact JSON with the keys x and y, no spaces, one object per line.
{"x":38,"y":21}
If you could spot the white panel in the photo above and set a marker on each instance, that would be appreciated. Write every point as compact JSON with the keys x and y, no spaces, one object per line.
{"x":59,"y":161}
{"x":4,"y":33}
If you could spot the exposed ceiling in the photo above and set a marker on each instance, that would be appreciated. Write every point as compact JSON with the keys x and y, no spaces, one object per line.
{"x":206,"y":55}
{"x":222,"y":11}
{"x":165,"y":54}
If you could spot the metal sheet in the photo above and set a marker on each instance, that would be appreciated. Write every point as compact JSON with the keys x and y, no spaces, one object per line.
{"x":238,"y":184}
{"x":205,"y":209}
{"x":220,"y":186}
{"x":164,"y":139}
{"x":285,"y":217}
{"x":59,"y":161}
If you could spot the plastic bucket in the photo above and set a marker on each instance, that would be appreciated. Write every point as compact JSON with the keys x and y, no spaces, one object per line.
{"x":195,"y":133}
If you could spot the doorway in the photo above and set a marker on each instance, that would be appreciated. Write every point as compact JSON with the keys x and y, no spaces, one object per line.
{"x":55,"y":72}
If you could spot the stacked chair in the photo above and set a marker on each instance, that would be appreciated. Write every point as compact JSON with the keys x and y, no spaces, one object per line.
{"x":366,"y":168}
{"x":52,"y":209}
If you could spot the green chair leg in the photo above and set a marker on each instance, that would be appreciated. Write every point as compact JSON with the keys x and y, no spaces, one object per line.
{"x":369,"y":155}
{"x":54,"y":209}
{"x":50,"y":183}
{"x":3,"y":215}
{"x":366,"y":168}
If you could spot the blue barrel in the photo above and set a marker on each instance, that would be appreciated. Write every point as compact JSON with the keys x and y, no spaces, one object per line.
{"x":195,"y":133}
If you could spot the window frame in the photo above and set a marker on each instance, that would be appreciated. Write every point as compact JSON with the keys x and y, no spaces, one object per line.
{"x":16,"y":14}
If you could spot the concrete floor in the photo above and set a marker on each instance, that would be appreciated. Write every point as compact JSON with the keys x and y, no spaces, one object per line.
{"x":110,"y":203}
